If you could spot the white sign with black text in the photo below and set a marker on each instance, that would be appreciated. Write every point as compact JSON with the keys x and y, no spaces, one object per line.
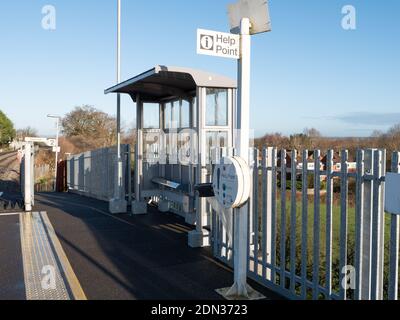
{"x":218,"y":44}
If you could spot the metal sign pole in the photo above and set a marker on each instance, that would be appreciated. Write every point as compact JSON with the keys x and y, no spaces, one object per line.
{"x":240,"y":289}
{"x":243,"y":127}
{"x":246,"y":18}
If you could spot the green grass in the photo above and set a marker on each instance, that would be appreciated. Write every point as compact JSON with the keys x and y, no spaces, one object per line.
{"x":336,"y":228}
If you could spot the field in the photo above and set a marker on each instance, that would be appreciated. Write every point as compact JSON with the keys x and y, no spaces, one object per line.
{"x":336,"y":229}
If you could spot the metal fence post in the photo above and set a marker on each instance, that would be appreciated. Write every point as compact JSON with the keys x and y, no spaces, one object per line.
{"x":267,"y":209}
{"x":372,"y":262}
{"x":366,"y":250}
{"x":377,"y":226}
{"x":359,"y":222}
{"x":394,"y":242}
{"x":344,"y":189}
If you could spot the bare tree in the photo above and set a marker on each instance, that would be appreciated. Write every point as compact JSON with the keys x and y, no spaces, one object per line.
{"x":89,"y":128}
{"x":26,"y":132}
{"x":312,"y":133}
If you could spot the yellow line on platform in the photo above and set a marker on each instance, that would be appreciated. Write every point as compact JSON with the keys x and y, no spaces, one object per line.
{"x":70,"y":275}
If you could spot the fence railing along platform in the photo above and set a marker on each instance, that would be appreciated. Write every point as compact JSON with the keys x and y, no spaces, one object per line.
{"x":94,"y":173}
{"x":318,"y":229}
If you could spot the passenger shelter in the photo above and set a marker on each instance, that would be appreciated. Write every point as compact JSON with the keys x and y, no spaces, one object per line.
{"x":181,"y":115}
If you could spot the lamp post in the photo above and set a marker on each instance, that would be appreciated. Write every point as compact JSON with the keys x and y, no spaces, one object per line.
{"x":119,"y":95}
{"x":119,"y":177}
{"x":118,"y":204}
{"x":58,"y":118}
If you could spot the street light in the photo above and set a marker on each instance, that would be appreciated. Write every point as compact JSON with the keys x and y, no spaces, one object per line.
{"x":58,"y":118}
{"x":118,"y":204}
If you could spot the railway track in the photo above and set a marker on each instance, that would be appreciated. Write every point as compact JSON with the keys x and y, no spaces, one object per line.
{"x":8,"y":155}
{"x":10,"y":190}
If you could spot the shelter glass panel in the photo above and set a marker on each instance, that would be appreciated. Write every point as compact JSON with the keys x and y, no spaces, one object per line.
{"x":176,"y":114}
{"x":194,"y":112}
{"x":217,"y":107}
{"x":215,"y":139}
{"x":151,"y":116}
{"x":168,"y":115}
{"x":185,"y":114}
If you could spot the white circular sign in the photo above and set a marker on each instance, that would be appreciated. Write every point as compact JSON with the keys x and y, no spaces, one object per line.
{"x":207,"y":42}
{"x":232,"y":182}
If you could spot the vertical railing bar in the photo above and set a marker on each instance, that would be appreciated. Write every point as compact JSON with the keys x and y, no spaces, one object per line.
{"x":215,"y":218}
{"x":255,"y":209}
{"x":250,"y":238}
{"x":382,"y":173}
{"x":329,"y":204}
{"x":343,"y":222}
{"x":293,"y":222}
{"x":359,"y":221}
{"x":283,"y":221}
{"x":217,"y":236}
{"x":375,"y":228}
{"x":250,"y":216}
{"x":214,"y":232}
{"x":222,"y":236}
{"x":378,"y":226}
{"x":366,"y":249}
{"x":394,"y":242}
{"x":304,"y":225}
{"x":317,"y":222}
{"x":264,"y":212}
{"x":274,"y":222}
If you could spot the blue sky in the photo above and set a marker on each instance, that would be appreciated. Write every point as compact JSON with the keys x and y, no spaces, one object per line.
{"x":307,"y":72}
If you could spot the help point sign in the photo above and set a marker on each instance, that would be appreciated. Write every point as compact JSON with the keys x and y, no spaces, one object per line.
{"x":220,"y":44}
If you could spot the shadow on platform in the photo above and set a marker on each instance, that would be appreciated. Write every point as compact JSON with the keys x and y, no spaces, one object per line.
{"x":141,"y":257}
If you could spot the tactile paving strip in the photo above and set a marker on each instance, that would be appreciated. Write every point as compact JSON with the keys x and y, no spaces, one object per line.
{"x":42,"y":269}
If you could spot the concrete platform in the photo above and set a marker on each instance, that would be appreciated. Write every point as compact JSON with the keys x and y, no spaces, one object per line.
{"x":120,"y":257}
{"x":12,"y":285}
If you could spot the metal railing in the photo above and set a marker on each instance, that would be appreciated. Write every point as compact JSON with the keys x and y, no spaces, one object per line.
{"x":93,"y":173}
{"x":319,"y":231}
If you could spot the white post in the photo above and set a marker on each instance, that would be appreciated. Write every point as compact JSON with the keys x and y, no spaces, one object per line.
{"x":139,"y":206}
{"x":243,"y":127}
{"x":119,"y":181}
{"x":118,"y":204}
{"x":200,"y":237}
{"x":28,"y":177}
{"x":240,"y":289}
{"x":119,"y":175}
